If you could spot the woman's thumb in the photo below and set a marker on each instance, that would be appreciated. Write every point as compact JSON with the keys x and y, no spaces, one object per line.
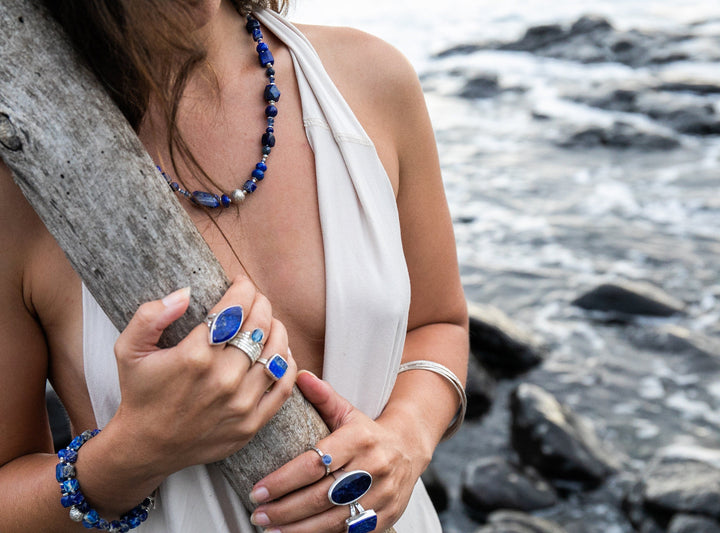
{"x":147,"y":324}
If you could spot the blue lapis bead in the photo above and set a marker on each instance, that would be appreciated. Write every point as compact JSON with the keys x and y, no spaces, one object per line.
{"x":70,"y":485}
{"x":102,"y":524}
{"x":257,"y":335}
{"x":252,"y":25}
{"x":90,"y":519}
{"x":261,"y":166}
{"x":257,"y":34}
{"x":226,"y":324}
{"x":67,"y":456}
{"x":362,"y":524}
{"x":83,"y":506}
{"x":64,"y":471}
{"x":115,"y":525}
{"x":270,"y":72}
{"x":262,"y":47}
{"x":271,"y":111}
{"x":350,"y":487}
{"x":174,"y":186}
{"x":266,"y":150}
{"x":270,"y":121}
{"x":134,"y":522}
{"x":272,"y":93}
{"x":124,"y":527}
{"x":270,"y":129}
{"x":73,"y":498}
{"x":277,"y":366}
{"x":226,"y":200}
{"x":206,"y":199}
{"x":250,"y":186}
{"x":268,"y":139}
{"x":76,"y":443}
{"x":266,"y":58}
{"x":258,"y":174}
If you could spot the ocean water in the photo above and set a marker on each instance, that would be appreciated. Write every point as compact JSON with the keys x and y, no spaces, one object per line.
{"x":537,"y":224}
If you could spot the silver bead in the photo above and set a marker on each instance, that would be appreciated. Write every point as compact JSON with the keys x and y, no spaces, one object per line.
{"x":238,"y":195}
{"x":76,"y":515}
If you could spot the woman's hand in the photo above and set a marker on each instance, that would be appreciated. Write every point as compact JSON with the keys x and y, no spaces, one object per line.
{"x":196,"y":403}
{"x":298,"y":491}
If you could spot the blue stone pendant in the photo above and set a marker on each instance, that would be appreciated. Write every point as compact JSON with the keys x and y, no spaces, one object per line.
{"x":349,"y":487}
{"x":226,"y":324}
{"x":362,"y":522}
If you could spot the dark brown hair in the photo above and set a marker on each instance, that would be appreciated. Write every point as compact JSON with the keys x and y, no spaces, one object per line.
{"x":143,"y":49}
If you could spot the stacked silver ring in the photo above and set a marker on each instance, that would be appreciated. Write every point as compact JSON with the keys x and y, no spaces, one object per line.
{"x":244,"y":342}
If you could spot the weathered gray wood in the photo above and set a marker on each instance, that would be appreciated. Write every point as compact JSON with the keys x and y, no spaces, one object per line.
{"x":89,"y":178}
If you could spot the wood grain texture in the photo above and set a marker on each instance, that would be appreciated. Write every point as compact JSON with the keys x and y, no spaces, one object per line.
{"x":88,"y":177}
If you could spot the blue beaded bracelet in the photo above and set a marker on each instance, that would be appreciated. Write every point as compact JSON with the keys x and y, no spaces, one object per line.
{"x":72,"y":496}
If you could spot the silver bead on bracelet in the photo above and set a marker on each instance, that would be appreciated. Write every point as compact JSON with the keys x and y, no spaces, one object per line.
{"x":445,"y":372}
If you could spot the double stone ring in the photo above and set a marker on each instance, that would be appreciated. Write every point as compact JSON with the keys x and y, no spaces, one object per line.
{"x":347,"y":490}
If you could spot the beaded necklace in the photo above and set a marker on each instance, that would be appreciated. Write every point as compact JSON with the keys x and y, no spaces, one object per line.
{"x":271,"y":95}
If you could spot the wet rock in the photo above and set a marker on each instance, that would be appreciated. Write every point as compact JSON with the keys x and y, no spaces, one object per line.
{"x":481,"y":86}
{"x":677,"y":339}
{"x":683,"y":523}
{"x":59,"y":421}
{"x":560,"y":444}
{"x":623,"y":299}
{"x":701,"y":89}
{"x":436,"y":489}
{"x":619,"y":136}
{"x":676,"y":485}
{"x":499,"y":344}
{"x":480,"y":389}
{"x":492,"y":483}
{"x":516,"y":522}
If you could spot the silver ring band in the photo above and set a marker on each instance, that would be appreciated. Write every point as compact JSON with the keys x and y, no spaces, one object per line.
{"x":243,"y":341}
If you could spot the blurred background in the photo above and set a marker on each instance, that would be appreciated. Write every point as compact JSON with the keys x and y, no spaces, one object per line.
{"x":580,"y":147}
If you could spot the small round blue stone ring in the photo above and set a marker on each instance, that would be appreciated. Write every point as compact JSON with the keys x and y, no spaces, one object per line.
{"x":225,"y":324}
{"x":326,"y":458}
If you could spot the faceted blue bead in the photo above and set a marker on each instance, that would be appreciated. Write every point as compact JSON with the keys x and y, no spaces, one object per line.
{"x":266,"y":58}
{"x":268,"y":139}
{"x":70,"y":485}
{"x":74,"y":498}
{"x":67,"y":456}
{"x":363,"y":525}
{"x":174,"y":186}
{"x":226,"y":201}
{"x":271,"y":111}
{"x":250,"y":186}
{"x":64,"y":471}
{"x":124,"y":528}
{"x":261,"y":47}
{"x":206,"y":199}
{"x":350,"y":487}
{"x":252,"y":24}
{"x":115,"y":524}
{"x":258,"y":174}
{"x":266,"y":150}
{"x":90,"y":519}
{"x":102,"y":524}
{"x":134,"y":522}
{"x":261,"y":166}
{"x":257,"y":335}
{"x":272,"y":92}
{"x":257,"y":35}
{"x":76,"y":443}
{"x":226,"y":324}
{"x":277,"y":367}
{"x":270,"y":72}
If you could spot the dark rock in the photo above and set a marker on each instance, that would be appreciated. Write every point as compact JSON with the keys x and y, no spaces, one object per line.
{"x":436,"y":489}
{"x":676,"y":339}
{"x":462,"y":49}
{"x":626,"y":299}
{"x":492,"y":483}
{"x":499,"y":344}
{"x":481,"y":86}
{"x":480,"y":389}
{"x":560,"y":444}
{"x":515,"y":522}
{"x":683,"y":523}
{"x":59,"y":421}
{"x":537,"y":38}
{"x":619,"y":136}
{"x":693,"y":120}
{"x":701,"y":89}
{"x":680,"y":485}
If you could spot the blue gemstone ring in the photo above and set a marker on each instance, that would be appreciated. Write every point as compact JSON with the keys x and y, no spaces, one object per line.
{"x":246,"y":343}
{"x":325,"y":458}
{"x":347,"y":490}
{"x":225,"y":324}
{"x":275,"y":367}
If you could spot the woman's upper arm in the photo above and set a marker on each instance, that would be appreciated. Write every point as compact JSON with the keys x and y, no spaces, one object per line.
{"x":23,"y":353}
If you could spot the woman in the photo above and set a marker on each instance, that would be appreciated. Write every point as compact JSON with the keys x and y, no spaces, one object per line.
{"x":340,"y":245}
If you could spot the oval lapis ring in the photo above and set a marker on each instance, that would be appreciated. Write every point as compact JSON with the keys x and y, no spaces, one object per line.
{"x":347,"y":490}
{"x":225,"y":324}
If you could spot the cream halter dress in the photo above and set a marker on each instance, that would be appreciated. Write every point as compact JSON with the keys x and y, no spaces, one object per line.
{"x":367,"y":301}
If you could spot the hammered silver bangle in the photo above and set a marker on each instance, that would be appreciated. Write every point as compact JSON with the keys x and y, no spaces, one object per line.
{"x":445,"y":372}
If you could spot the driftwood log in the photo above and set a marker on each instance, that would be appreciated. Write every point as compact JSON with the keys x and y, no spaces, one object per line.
{"x":88,"y":177}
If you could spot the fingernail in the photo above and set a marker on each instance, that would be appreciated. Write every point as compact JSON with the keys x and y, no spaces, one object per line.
{"x":307,"y":372}
{"x":273,"y":530}
{"x":259,"y":519}
{"x":177,"y":297}
{"x":259,"y":495}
